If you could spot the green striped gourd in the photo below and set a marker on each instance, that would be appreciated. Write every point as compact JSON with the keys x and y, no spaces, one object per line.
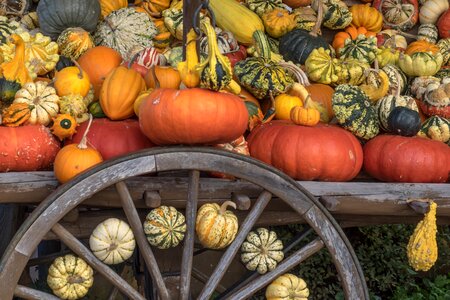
{"x":259,"y":75}
{"x":436,"y":128}
{"x":336,"y":13}
{"x":354,"y":112}
{"x":262,"y":6}
{"x":73,"y":42}
{"x":124,"y":30}
{"x":306,"y":18}
{"x":362,"y":48}
{"x":443,"y":73}
{"x":444,"y":48}
{"x":322,"y":67}
{"x":261,"y":251}
{"x":428,"y":32}
{"x":8,"y":27}
{"x":164,"y":227}
{"x":352,"y":71}
{"x":394,"y":81}
{"x":173,"y":20}
{"x":386,"y":105}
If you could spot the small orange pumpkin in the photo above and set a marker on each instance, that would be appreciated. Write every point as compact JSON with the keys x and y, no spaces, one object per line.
{"x":64,"y":126}
{"x":72,"y":80}
{"x":119,"y":91}
{"x":162,"y":77}
{"x":421,"y":46}
{"x":350,"y":32}
{"x":363,"y":15}
{"x":16,"y":114}
{"x":73,"y":159}
{"x":305,"y":116}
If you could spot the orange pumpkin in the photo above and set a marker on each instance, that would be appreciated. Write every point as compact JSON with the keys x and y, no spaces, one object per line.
{"x":421,"y":46}
{"x":322,"y":94}
{"x":119,"y":90}
{"x":153,"y":6}
{"x":97,"y":62}
{"x":73,"y":159}
{"x":192,"y":116}
{"x":363,"y":15}
{"x":350,"y":32}
{"x":162,"y":77}
{"x":72,"y":80}
{"x":305,"y":116}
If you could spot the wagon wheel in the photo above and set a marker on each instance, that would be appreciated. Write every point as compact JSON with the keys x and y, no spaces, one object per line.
{"x":46,"y":216}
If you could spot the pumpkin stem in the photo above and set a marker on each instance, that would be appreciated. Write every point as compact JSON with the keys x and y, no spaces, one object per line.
{"x":316,"y":28}
{"x":80,"y":75}
{"x":83,"y":142}
{"x":223,"y":207}
{"x":73,"y":279}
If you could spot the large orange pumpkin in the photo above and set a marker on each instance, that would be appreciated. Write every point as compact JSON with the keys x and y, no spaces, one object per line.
{"x":192,"y":116}
{"x":119,"y":90}
{"x":97,"y":62}
{"x":27,"y":148}
{"x":323,"y":152}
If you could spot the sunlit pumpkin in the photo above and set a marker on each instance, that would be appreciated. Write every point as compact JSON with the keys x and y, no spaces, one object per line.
{"x":72,"y":80}
{"x":162,"y":77}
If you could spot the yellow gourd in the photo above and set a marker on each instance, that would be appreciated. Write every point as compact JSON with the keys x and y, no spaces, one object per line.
{"x":376,"y":84}
{"x":287,"y":287}
{"x":188,"y":73}
{"x":422,"y":248}
{"x":278,"y":22}
{"x":15,"y":69}
{"x":283,"y":105}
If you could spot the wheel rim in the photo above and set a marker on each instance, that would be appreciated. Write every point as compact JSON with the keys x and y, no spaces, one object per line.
{"x":274,"y":182}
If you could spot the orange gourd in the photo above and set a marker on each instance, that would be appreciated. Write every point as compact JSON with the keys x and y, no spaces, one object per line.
{"x":97,"y":62}
{"x":421,"y":46}
{"x":366,"y":16}
{"x":162,"y":77}
{"x":305,"y":116}
{"x":16,"y":114}
{"x":140,"y":98}
{"x":64,"y":126}
{"x":119,"y":91}
{"x":350,"y":32}
{"x":73,"y":159}
{"x":72,"y":80}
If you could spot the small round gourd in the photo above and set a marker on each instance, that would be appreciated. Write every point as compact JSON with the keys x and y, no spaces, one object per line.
{"x":165,"y":227}
{"x":112,"y":241}
{"x":305,"y":116}
{"x":287,"y":287}
{"x":404,"y":121}
{"x":16,"y":114}
{"x":70,"y":277}
{"x":64,"y":126}
{"x":284,"y":104}
{"x":216,"y":226}
{"x":262,"y":251}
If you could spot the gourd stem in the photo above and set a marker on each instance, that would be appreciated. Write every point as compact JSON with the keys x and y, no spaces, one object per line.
{"x":83,"y":142}
{"x":316,"y":28}
{"x":299,"y":74}
{"x":157,"y":83}
{"x":223,"y":207}
{"x":80,"y":75}
{"x":375,"y":64}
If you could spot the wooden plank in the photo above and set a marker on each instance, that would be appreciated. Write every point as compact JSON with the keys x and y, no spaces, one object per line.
{"x":32,"y":294}
{"x":76,"y":246}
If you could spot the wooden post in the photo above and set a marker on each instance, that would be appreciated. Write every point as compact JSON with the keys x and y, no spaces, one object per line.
{"x":189,"y":7}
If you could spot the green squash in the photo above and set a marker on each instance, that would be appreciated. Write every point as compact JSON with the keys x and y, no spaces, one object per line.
{"x":125,"y":30}
{"x":404,"y":121}
{"x":165,"y":227}
{"x":436,"y":128}
{"x":394,"y":82}
{"x":259,"y":75}
{"x":8,"y":27}
{"x":386,"y":105}
{"x":363,"y":48}
{"x":8,"y":90}
{"x":336,"y":14}
{"x":95,"y":109}
{"x":262,"y":251}
{"x":352,"y":71}
{"x":354,"y":112}
{"x":173,"y":20}
{"x":262,"y":6}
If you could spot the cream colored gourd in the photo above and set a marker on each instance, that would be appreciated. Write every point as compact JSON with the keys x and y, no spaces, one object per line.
{"x":42,"y":99}
{"x":287,"y":287}
{"x":431,"y":11}
{"x":70,"y":277}
{"x":112,"y":241}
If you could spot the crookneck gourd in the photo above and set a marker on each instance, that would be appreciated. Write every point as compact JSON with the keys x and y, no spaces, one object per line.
{"x":16,"y":69}
{"x":187,"y":68}
{"x":422,"y":249}
{"x":165,"y":227}
{"x":259,"y":75}
{"x":354,"y":111}
{"x":215,"y":71}
{"x":262,"y":251}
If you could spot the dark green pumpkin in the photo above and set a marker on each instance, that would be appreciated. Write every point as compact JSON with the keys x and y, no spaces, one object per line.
{"x":96,"y":110}
{"x":8,"y":90}
{"x":259,"y":75}
{"x":404,"y":121}
{"x":354,"y":112}
{"x":63,"y":62}
{"x":57,"y":15}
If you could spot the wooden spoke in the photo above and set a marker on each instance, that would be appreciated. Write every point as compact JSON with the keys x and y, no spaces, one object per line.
{"x":229,"y":254}
{"x":32,"y":294}
{"x":188,"y":248}
{"x":144,"y":247}
{"x":202,"y":277}
{"x":113,"y":294}
{"x":282,"y":268}
{"x":81,"y":250}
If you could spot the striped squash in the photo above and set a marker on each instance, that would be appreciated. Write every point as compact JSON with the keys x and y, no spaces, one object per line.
{"x":112,"y":241}
{"x":165,"y":227}
{"x":354,"y":112}
{"x":124,"y":30}
{"x":336,"y":14}
{"x":428,"y":32}
{"x":436,"y":128}
{"x":363,"y":48}
{"x":306,"y":18}
{"x":73,"y":42}
{"x":352,"y":71}
{"x":444,"y":48}
{"x":16,"y":114}
{"x":216,"y":226}
{"x":386,"y":105}
{"x":262,"y":251}
{"x":8,"y":27}
{"x":173,"y":20}
{"x":394,"y":83}
{"x":262,"y":6}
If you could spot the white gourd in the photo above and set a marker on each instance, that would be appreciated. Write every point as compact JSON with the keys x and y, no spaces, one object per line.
{"x":431,"y":10}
